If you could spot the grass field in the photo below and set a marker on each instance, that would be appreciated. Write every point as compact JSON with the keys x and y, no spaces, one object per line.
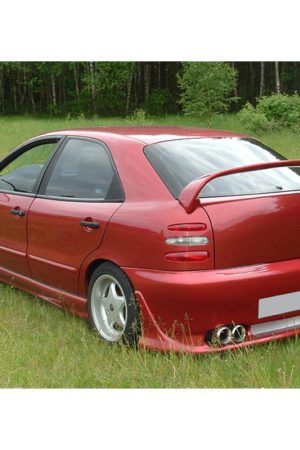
{"x":41,"y":346}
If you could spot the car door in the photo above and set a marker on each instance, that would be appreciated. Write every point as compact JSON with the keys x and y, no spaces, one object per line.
{"x":67,"y":221}
{"x":20,"y":173}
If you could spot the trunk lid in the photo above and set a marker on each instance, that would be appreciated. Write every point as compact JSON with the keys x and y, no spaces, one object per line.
{"x":255,"y":230}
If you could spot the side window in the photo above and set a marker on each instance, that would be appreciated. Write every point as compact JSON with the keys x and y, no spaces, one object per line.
{"x":21,"y":174}
{"x":84,"y":170}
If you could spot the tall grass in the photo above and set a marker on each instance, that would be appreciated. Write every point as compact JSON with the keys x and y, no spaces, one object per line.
{"x":41,"y":346}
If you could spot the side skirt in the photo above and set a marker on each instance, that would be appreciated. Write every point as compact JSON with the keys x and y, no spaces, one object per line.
{"x":61,"y":299}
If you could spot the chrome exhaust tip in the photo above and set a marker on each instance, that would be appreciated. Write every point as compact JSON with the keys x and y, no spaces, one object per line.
{"x":226,"y":334}
{"x":238,"y":333}
{"x":222,"y":336}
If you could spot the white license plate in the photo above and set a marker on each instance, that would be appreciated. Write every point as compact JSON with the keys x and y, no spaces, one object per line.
{"x":279,"y":304}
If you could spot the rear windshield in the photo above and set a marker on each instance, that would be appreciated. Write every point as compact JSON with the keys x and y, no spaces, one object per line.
{"x":181,"y":161}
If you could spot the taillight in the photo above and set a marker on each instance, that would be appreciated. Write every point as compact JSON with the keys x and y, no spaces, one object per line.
{"x":187,"y":227}
{"x":187,"y":240}
{"x":187,"y":256}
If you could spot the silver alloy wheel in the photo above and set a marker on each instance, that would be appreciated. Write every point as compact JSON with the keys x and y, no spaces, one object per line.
{"x":109,"y":308}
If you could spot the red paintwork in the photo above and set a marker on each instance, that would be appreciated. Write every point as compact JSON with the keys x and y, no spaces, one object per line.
{"x":56,"y":261}
{"x":13,"y":235}
{"x":255,"y":230}
{"x":145,"y":134}
{"x":254,"y":246}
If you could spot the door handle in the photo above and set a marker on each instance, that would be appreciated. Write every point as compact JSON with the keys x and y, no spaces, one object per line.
{"x":87,"y":223}
{"x":17,"y":212}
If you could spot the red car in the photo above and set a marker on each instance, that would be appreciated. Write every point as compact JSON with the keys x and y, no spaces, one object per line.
{"x":168,"y":238}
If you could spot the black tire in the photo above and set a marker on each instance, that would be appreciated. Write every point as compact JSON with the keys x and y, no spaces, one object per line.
{"x":109,"y":288}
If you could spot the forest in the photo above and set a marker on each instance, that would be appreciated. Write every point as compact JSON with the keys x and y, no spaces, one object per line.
{"x":109,"y":89}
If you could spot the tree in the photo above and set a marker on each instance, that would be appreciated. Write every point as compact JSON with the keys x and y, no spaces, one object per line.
{"x":118,"y":88}
{"x":206,"y":87}
{"x":262,"y":79}
{"x":1,"y":88}
{"x":277,"y":79}
{"x":108,"y":83}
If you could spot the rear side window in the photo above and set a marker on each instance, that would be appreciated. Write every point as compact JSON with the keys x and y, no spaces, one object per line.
{"x":181,"y":161}
{"x":84,"y":170}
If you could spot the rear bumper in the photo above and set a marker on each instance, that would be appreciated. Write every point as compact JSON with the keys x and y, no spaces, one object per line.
{"x":179,"y":308}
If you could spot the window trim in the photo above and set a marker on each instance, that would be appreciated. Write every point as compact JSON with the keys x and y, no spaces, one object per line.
{"x":52,"y":164}
{"x":25,"y":147}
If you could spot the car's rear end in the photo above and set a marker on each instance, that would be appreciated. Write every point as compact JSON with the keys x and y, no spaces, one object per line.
{"x":232,"y":274}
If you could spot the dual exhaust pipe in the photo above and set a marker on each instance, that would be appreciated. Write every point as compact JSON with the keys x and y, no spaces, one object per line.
{"x":228,"y":334}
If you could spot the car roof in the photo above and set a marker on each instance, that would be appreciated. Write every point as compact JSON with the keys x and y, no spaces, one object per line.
{"x":146,"y":134}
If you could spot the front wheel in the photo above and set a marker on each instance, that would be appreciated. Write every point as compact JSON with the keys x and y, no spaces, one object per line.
{"x":113,"y":311}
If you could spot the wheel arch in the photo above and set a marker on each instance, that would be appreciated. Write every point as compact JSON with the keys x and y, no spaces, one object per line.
{"x":93,"y":265}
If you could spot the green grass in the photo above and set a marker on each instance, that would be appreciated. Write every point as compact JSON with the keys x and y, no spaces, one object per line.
{"x":14,"y":130}
{"x":41,"y":346}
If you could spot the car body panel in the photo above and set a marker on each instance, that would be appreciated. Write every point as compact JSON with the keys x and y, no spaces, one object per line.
{"x":13,"y":232}
{"x":62,"y":299}
{"x":137,"y":232}
{"x":211,"y":298}
{"x":255,"y":230}
{"x":143,"y":134}
{"x":57,"y":243}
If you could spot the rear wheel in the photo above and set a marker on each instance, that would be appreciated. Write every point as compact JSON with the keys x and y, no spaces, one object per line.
{"x":113,"y":311}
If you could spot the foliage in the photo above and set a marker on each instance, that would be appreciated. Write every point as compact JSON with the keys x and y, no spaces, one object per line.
{"x":206,"y":88}
{"x":118,"y":88}
{"x":159,"y":102}
{"x":138,"y":117}
{"x":273,"y":112}
{"x":253,"y":119}
{"x":109,"y":80}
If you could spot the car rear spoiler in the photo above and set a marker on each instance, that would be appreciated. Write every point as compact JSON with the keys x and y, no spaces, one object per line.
{"x":188,"y":197}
